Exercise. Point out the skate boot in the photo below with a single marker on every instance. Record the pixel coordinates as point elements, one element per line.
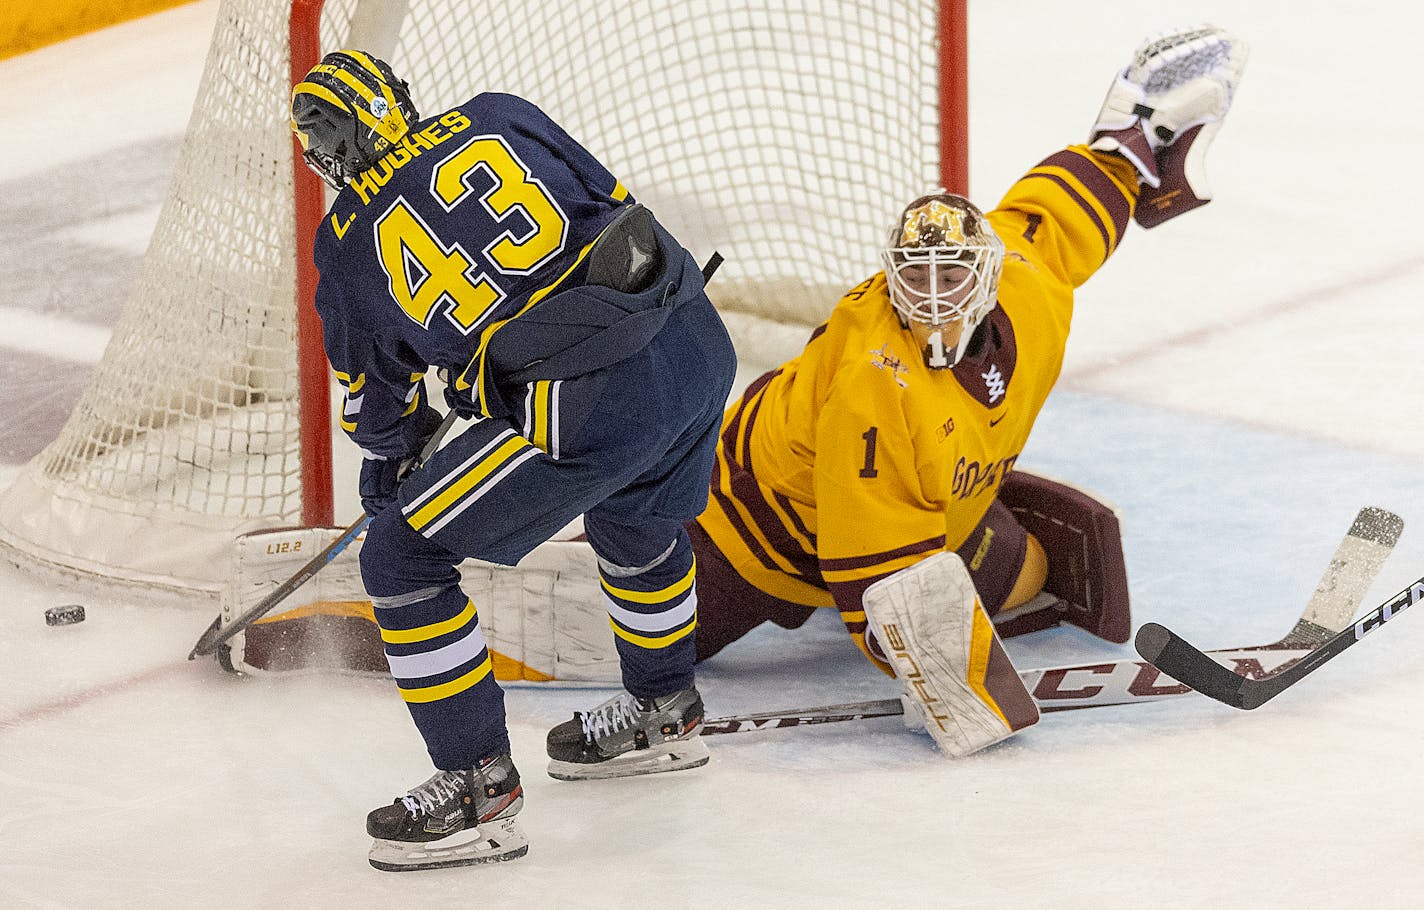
<point>457,818</point>
<point>627,736</point>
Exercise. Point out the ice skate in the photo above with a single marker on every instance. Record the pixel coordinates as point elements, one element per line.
<point>457,818</point>
<point>627,736</point>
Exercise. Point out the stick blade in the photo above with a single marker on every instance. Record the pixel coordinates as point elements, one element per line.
<point>208,641</point>
<point>1377,525</point>
<point>1174,656</point>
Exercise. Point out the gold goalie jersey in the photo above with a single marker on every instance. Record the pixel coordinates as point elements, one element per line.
<point>856,460</point>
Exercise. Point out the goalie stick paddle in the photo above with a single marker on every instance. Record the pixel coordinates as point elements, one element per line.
<point>217,634</point>
<point>1352,569</point>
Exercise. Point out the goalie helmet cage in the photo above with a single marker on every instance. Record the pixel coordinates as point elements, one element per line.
<point>786,134</point>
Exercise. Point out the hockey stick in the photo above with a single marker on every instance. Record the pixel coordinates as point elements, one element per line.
<point>1352,569</point>
<point>830,714</point>
<point>1118,682</point>
<point>217,634</point>
<point>1175,656</point>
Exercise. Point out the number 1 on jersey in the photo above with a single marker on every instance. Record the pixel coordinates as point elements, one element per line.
<point>869,436</point>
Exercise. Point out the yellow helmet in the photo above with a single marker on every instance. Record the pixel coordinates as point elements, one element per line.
<point>348,112</point>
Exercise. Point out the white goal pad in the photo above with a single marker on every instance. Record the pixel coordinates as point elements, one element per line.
<point>544,620</point>
<point>945,652</point>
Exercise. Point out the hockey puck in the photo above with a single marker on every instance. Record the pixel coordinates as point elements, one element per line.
<point>67,615</point>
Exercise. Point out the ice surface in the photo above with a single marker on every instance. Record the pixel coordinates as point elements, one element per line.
<point>1240,381</point>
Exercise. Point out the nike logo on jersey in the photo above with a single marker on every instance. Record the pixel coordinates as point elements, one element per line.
<point>341,228</point>
<point>995,421</point>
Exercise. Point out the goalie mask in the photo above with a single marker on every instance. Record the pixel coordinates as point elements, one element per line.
<point>942,264</point>
<point>348,112</point>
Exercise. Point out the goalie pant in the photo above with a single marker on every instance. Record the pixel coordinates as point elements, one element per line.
<point>634,463</point>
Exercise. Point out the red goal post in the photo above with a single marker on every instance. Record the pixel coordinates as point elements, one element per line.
<point>785,135</point>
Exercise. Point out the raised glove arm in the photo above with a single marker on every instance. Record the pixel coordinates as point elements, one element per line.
<point>1162,112</point>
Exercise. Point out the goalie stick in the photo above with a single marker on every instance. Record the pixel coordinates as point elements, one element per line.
<point>1352,569</point>
<point>217,634</point>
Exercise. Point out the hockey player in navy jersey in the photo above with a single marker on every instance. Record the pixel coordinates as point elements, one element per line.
<point>486,243</point>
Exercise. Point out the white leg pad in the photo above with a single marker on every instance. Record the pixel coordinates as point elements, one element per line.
<point>944,650</point>
<point>545,620</point>
<point>546,614</point>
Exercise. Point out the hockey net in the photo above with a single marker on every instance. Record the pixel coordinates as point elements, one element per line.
<point>785,134</point>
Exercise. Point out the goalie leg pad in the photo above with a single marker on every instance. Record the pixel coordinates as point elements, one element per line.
<point>1083,541</point>
<point>544,620</point>
<point>328,635</point>
<point>947,656</point>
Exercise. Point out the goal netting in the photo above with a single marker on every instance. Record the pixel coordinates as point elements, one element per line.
<point>785,134</point>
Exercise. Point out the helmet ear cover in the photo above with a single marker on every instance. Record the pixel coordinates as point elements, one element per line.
<point>348,112</point>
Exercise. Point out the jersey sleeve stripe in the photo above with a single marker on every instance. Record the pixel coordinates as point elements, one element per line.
<point>1099,185</point>
<point>1083,203</point>
<point>752,516</point>
<point>797,525</point>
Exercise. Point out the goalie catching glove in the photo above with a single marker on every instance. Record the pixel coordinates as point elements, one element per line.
<point>1163,111</point>
<point>945,652</point>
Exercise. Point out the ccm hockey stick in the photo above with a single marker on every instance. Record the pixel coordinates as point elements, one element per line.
<point>1353,568</point>
<point>1171,653</point>
<point>217,634</point>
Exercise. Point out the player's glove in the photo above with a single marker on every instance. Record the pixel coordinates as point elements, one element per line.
<point>379,483</point>
<point>1163,111</point>
<point>381,477</point>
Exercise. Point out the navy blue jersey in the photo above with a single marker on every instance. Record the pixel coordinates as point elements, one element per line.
<point>474,217</point>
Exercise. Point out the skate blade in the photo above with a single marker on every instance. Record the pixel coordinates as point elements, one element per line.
<point>673,756</point>
<point>492,842</point>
